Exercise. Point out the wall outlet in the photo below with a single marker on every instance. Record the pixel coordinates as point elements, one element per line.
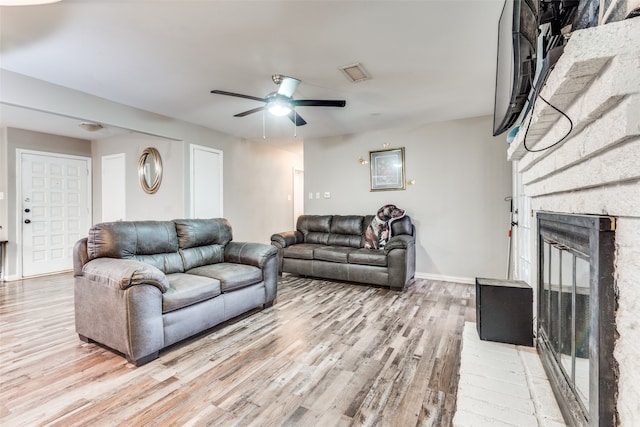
<point>310,196</point>
<point>327,195</point>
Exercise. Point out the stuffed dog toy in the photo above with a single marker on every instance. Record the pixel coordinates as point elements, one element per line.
<point>379,230</point>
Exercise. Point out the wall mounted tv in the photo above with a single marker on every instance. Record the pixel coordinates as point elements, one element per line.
<point>516,66</point>
<point>531,38</point>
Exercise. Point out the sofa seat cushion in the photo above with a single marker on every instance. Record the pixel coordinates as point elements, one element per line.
<point>301,250</point>
<point>333,254</point>
<point>363,256</point>
<point>187,289</point>
<point>231,276</point>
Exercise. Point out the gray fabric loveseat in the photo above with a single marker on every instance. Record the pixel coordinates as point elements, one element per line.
<point>141,286</point>
<point>333,247</point>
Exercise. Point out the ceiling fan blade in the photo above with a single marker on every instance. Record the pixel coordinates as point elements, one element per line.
<point>318,103</point>
<point>288,85</point>
<point>238,95</point>
<point>295,118</point>
<point>246,113</point>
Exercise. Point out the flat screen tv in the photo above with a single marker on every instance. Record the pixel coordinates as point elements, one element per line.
<point>516,66</point>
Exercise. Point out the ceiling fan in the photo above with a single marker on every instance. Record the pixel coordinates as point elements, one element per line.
<point>281,102</point>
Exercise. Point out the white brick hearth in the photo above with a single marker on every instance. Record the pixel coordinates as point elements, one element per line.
<point>502,385</point>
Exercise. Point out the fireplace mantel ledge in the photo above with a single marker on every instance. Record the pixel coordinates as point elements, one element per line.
<point>586,55</point>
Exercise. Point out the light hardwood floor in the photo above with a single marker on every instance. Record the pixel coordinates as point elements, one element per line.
<point>325,354</point>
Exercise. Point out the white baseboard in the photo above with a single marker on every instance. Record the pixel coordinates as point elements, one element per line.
<point>11,278</point>
<point>443,278</point>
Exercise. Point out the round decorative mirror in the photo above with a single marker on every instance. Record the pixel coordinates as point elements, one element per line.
<point>150,170</point>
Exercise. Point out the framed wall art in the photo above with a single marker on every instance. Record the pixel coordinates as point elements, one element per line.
<point>387,169</point>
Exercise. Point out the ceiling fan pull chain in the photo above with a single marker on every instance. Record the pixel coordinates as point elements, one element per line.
<point>295,123</point>
<point>264,133</point>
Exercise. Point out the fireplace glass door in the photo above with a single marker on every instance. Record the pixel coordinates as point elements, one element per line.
<point>564,318</point>
<point>576,314</point>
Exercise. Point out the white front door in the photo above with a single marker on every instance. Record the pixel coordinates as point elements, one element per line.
<point>55,202</point>
<point>206,182</point>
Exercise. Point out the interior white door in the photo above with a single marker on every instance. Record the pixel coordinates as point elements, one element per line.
<point>206,182</point>
<point>298,195</point>
<point>55,210</point>
<point>114,188</point>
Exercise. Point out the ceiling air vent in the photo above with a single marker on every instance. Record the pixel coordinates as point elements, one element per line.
<point>355,72</point>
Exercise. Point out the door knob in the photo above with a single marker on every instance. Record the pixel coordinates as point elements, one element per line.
<point>27,221</point>
<point>27,210</point>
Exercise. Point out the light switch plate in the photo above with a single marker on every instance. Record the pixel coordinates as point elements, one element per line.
<point>327,195</point>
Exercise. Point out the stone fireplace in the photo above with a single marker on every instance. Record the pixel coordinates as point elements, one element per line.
<point>591,178</point>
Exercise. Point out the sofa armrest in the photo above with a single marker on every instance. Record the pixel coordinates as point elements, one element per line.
<point>124,273</point>
<point>286,238</point>
<point>80,256</point>
<point>401,260</point>
<point>259,255</point>
<point>256,254</point>
<point>403,241</point>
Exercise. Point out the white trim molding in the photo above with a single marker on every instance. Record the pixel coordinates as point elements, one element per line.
<point>444,278</point>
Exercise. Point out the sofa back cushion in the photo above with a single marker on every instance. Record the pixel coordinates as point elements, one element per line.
<point>203,232</point>
<point>202,241</point>
<point>348,224</point>
<point>344,230</point>
<point>152,242</point>
<point>315,228</point>
<point>347,231</point>
<point>334,230</point>
<point>201,255</point>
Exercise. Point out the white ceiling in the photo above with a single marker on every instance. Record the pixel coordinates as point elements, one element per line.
<point>429,60</point>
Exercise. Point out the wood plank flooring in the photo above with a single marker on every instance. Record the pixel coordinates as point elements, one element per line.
<point>326,354</point>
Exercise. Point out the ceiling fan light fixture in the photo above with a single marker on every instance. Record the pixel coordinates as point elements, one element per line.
<point>279,107</point>
<point>355,72</point>
<point>281,102</point>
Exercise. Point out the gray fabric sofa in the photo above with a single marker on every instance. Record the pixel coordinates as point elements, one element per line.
<point>332,247</point>
<point>141,286</point>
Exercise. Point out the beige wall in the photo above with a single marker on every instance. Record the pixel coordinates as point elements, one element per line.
<point>257,177</point>
<point>258,181</point>
<point>258,194</point>
<point>168,202</point>
<point>457,202</point>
